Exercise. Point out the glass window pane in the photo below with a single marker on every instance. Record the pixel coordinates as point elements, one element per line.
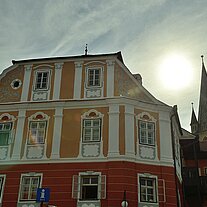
<point>94,180</point>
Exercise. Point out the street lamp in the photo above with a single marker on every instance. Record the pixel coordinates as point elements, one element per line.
<point>124,203</point>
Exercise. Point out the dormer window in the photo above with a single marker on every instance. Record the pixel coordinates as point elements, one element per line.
<point>42,80</point>
<point>94,77</point>
<point>41,83</point>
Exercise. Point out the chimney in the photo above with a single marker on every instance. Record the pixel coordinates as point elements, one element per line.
<point>138,77</point>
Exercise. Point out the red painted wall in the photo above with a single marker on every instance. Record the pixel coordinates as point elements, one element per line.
<point>120,176</point>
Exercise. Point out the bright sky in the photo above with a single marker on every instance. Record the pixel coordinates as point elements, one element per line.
<point>151,34</point>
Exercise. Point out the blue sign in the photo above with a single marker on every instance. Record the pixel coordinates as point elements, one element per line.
<point>43,195</point>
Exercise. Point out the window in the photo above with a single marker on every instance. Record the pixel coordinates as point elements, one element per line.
<point>91,130</point>
<point>5,133</point>
<point>89,186</point>
<point>148,192</point>
<point>205,171</point>
<point>37,131</point>
<point>28,187</point>
<point>2,181</point>
<point>94,77</point>
<point>146,133</point>
<point>42,80</point>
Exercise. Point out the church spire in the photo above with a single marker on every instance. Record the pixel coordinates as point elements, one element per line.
<point>194,121</point>
<point>202,115</point>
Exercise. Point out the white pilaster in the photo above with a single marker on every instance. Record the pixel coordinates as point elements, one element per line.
<point>57,133</point>
<point>57,81</point>
<point>110,78</point>
<point>129,131</point>
<point>78,79</point>
<point>26,82</point>
<point>19,135</point>
<point>113,149</point>
<point>165,138</point>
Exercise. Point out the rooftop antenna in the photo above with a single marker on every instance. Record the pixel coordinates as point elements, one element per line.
<point>86,49</point>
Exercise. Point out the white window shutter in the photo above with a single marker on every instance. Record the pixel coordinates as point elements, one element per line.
<point>161,191</point>
<point>76,187</point>
<point>102,187</point>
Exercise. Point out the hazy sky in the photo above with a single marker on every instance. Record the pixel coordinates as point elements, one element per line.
<point>145,31</point>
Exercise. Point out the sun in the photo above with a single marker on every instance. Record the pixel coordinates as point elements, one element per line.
<point>175,72</point>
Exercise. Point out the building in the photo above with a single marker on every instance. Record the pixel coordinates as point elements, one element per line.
<point>194,148</point>
<point>86,128</point>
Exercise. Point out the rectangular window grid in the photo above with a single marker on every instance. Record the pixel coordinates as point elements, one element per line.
<point>147,190</point>
<point>89,187</point>
<point>94,77</point>
<point>5,133</point>
<point>37,131</point>
<point>91,130</point>
<point>42,79</point>
<point>146,133</point>
<point>28,189</point>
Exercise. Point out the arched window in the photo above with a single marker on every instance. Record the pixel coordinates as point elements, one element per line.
<point>6,129</point>
<point>91,126</point>
<point>37,128</point>
<point>146,129</point>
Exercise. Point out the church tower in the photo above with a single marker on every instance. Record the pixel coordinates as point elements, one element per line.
<point>194,122</point>
<point>202,114</point>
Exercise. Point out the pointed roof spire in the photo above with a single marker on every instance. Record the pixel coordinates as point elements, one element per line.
<point>202,115</point>
<point>193,117</point>
<point>86,49</point>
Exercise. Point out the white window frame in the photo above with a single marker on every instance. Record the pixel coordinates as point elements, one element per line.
<point>147,131</point>
<point>29,175</point>
<point>92,130</point>
<point>155,187</point>
<point>87,116</point>
<point>37,139</point>
<point>145,117</point>
<point>94,85</point>
<point>2,184</point>
<point>35,88</point>
<point>4,130</point>
<point>77,186</point>
<point>11,119</point>
<point>33,119</point>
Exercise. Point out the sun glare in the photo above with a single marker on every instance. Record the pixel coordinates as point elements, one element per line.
<point>175,72</point>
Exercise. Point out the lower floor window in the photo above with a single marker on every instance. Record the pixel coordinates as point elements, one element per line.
<point>89,187</point>
<point>148,189</point>
<point>2,180</point>
<point>28,187</point>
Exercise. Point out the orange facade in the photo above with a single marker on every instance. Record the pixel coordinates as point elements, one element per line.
<point>86,128</point>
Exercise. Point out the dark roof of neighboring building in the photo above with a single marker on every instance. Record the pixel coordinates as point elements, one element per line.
<point>118,54</point>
